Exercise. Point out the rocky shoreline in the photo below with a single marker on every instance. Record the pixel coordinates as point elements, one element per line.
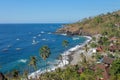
<point>73,31</point>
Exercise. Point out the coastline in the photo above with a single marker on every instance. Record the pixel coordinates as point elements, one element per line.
<point>75,56</point>
<point>71,56</point>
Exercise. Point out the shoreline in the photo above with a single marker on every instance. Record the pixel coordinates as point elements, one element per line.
<point>68,57</point>
<point>75,56</point>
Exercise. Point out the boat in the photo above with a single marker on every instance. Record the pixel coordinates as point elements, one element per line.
<point>34,42</point>
<point>18,48</point>
<point>39,35</point>
<point>34,37</point>
<point>17,39</point>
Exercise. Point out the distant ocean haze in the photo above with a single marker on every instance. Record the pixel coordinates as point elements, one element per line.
<point>20,41</point>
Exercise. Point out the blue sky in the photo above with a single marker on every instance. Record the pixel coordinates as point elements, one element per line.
<point>53,11</point>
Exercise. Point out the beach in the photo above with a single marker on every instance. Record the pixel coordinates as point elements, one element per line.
<point>75,56</point>
<point>71,56</point>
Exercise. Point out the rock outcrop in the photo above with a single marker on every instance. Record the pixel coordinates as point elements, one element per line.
<point>71,30</point>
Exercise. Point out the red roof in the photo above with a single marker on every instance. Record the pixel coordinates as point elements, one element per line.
<point>107,60</point>
<point>80,70</point>
<point>99,49</point>
<point>113,48</point>
<point>105,70</point>
<point>113,39</point>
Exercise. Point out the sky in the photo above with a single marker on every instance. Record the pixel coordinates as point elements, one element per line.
<point>53,11</point>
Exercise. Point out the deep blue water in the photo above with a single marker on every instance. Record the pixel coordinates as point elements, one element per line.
<point>16,44</point>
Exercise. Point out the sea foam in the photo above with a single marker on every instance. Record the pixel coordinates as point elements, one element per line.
<point>22,60</point>
<point>76,38</point>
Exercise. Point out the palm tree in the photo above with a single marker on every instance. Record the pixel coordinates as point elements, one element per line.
<point>60,58</point>
<point>25,74</point>
<point>86,48</point>
<point>98,73</point>
<point>33,62</point>
<point>84,62</point>
<point>15,74</point>
<point>65,44</point>
<point>45,53</point>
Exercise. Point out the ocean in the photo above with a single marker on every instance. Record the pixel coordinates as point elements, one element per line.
<point>20,41</point>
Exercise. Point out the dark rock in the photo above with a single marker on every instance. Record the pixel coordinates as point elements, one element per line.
<point>71,32</point>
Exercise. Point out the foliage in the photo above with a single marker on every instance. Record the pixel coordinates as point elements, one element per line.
<point>69,73</point>
<point>65,43</point>
<point>33,62</point>
<point>45,52</point>
<point>87,75</point>
<point>108,23</point>
<point>115,68</point>
<point>98,56</point>
<point>93,45</point>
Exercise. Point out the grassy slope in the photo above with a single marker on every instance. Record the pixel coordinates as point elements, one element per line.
<point>105,22</point>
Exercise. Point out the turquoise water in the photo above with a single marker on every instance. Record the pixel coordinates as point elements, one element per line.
<point>20,41</point>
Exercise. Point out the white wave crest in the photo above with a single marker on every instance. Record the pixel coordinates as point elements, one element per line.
<point>35,42</point>
<point>39,35</point>
<point>34,37</point>
<point>18,48</point>
<point>17,39</point>
<point>42,32</point>
<point>23,60</point>
<point>64,34</point>
<point>44,39</point>
<point>49,33</point>
<point>76,38</point>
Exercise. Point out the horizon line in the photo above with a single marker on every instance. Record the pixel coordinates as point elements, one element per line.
<point>40,23</point>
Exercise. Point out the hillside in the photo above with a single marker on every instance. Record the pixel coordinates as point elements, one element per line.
<point>104,23</point>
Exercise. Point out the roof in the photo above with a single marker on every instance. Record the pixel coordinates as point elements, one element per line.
<point>100,49</point>
<point>107,60</point>
<point>113,47</point>
<point>113,39</point>
<point>81,70</point>
<point>104,69</point>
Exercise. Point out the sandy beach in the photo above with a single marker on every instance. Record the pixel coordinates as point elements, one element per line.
<point>75,56</point>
